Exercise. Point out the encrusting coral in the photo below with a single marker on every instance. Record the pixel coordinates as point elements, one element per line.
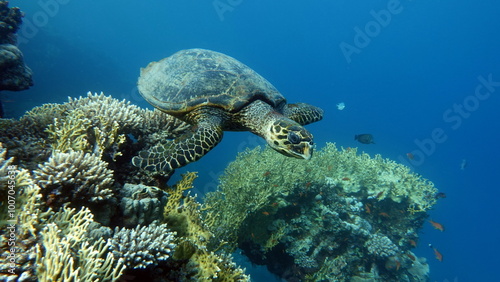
<point>381,246</point>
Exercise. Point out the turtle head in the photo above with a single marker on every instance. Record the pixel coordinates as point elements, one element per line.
<point>290,139</point>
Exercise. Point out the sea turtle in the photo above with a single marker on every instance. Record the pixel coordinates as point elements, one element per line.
<point>214,93</point>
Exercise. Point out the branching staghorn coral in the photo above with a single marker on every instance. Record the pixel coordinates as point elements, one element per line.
<point>143,245</point>
<point>74,177</point>
<point>65,254</point>
<point>17,186</point>
<point>40,117</point>
<point>21,209</point>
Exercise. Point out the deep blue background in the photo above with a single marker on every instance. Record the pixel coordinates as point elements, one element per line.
<point>398,86</point>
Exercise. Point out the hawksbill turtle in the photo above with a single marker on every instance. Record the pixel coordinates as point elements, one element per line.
<point>214,93</point>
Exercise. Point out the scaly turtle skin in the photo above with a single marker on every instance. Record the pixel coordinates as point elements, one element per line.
<point>217,93</point>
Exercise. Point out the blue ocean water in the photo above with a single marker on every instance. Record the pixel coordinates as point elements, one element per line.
<point>422,76</point>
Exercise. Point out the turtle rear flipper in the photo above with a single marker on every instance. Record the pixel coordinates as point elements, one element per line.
<point>185,149</point>
<point>303,113</point>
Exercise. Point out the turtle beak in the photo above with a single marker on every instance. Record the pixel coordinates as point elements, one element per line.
<point>303,150</point>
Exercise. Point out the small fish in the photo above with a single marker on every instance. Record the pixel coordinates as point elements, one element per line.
<point>340,106</point>
<point>439,256</point>
<point>437,225</point>
<point>364,138</point>
<point>463,165</point>
<point>412,257</point>
<point>346,179</point>
<point>265,213</point>
<point>410,156</point>
<point>412,243</point>
<point>367,208</point>
<point>378,196</point>
<point>440,195</point>
<point>384,214</point>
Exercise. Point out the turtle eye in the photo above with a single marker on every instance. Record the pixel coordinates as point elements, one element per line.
<point>293,137</point>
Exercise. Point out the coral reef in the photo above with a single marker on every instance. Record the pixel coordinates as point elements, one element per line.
<point>338,217</point>
<point>342,216</point>
<point>14,74</point>
<point>143,245</point>
<point>96,124</point>
<point>80,160</point>
<point>61,234</point>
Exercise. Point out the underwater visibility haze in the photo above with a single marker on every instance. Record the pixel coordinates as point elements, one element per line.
<point>402,184</point>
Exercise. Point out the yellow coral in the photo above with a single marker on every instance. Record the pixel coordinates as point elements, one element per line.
<point>182,212</point>
<point>70,132</point>
<point>183,215</point>
<point>72,257</point>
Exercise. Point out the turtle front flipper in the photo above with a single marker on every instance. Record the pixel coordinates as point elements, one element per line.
<point>303,113</point>
<point>185,149</point>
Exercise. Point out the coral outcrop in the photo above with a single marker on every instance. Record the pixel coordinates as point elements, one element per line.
<point>339,216</point>
<point>14,74</point>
